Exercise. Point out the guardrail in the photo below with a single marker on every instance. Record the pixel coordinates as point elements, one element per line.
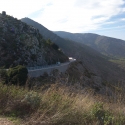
<point>48,66</point>
<point>41,67</point>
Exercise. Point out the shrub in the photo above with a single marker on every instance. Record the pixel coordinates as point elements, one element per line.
<point>104,117</point>
<point>49,42</point>
<point>33,99</point>
<point>45,75</point>
<point>56,47</point>
<point>33,57</point>
<point>3,76</point>
<point>17,75</point>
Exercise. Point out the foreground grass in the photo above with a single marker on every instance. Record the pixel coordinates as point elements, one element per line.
<point>60,105</point>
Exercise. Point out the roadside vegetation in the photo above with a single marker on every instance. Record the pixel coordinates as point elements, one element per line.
<point>46,101</point>
<point>57,104</point>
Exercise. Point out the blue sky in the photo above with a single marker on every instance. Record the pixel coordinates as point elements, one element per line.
<point>104,17</point>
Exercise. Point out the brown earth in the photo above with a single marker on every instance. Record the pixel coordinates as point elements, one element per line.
<point>5,121</point>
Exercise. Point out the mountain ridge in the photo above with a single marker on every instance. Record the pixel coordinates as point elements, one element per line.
<point>94,61</point>
<point>108,46</point>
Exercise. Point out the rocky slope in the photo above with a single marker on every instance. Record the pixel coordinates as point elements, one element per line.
<point>106,45</point>
<point>23,44</point>
<point>92,60</point>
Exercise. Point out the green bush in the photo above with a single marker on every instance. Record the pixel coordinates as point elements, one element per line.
<point>103,116</point>
<point>17,75</point>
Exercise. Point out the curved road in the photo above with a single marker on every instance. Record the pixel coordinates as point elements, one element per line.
<point>51,66</point>
<point>36,72</point>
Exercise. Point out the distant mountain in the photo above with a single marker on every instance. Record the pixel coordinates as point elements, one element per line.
<point>92,60</point>
<point>106,45</point>
<point>23,44</point>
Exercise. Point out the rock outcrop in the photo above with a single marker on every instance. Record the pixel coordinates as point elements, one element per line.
<point>23,44</point>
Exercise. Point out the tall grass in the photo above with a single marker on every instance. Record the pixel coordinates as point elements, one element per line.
<point>61,105</point>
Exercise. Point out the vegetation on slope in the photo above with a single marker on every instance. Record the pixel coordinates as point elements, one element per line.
<point>119,62</point>
<point>16,75</point>
<point>60,105</point>
<point>23,44</point>
<point>108,46</point>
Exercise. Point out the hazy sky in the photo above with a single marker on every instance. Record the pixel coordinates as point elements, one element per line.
<point>105,17</point>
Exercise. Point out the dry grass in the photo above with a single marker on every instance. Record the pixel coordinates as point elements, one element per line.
<point>60,105</point>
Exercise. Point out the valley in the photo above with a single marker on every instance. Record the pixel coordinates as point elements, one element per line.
<point>43,86</point>
<point>108,46</point>
<point>93,60</point>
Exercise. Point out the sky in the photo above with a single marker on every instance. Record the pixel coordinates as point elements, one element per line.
<point>104,17</point>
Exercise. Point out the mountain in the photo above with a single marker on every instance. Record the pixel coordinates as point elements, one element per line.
<point>92,60</point>
<point>111,47</point>
<point>23,44</point>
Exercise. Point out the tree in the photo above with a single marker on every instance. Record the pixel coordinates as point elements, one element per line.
<point>17,75</point>
<point>56,47</point>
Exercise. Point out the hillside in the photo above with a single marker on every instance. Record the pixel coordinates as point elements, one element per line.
<point>23,44</point>
<point>60,105</point>
<point>92,60</point>
<point>111,47</point>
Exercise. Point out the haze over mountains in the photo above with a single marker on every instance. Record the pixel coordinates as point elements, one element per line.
<point>106,45</point>
<point>94,61</point>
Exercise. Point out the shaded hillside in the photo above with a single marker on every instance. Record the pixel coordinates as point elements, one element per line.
<point>47,34</point>
<point>91,59</point>
<point>23,44</point>
<point>105,45</point>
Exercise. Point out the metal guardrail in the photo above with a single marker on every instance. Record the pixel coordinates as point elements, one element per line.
<point>42,67</point>
<point>48,66</point>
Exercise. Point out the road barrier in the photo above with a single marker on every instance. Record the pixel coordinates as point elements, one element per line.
<point>40,70</point>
